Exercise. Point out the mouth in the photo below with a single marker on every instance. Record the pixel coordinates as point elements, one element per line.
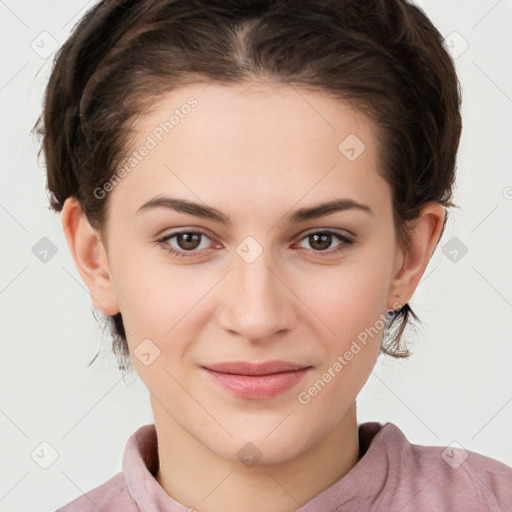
<point>256,380</point>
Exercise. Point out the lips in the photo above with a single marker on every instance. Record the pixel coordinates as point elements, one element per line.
<point>256,380</point>
<point>247,368</point>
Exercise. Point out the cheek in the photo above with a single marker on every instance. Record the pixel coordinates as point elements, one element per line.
<point>158,300</point>
<point>350,298</point>
<point>352,305</point>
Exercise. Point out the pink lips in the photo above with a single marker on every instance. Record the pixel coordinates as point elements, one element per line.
<point>257,380</point>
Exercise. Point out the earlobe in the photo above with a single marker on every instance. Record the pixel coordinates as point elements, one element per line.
<point>425,234</point>
<point>90,257</point>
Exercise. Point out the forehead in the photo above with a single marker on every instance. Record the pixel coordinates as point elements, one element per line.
<point>258,111</point>
<point>251,143</point>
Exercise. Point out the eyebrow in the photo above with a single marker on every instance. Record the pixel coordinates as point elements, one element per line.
<point>296,216</point>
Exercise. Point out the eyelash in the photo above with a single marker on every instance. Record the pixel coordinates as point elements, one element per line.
<point>162,242</point>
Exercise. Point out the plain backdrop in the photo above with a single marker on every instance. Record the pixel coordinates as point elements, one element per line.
<point>456,388</point>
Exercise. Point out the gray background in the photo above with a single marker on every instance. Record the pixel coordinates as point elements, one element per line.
<point>455,389</point>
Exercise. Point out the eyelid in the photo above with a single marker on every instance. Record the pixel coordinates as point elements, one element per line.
<point>340,232</point>
<point>166,233</point>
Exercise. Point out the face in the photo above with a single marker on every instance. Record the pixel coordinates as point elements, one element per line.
<point>260,276</point>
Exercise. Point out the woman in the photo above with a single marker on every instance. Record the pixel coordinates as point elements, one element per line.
<point>251,192</point>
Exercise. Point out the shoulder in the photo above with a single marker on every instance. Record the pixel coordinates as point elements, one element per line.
<point>450,477</point>
<point>112,496</point>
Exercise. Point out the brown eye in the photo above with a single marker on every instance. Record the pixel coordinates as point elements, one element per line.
<point>184,243</point>
<point>188,241</point>
<point>321,241</point>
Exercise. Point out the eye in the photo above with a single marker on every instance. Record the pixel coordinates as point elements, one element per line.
<point>187,242</point>
<point>321,241</point>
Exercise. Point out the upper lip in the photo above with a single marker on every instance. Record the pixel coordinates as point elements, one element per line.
<point>248,368</point>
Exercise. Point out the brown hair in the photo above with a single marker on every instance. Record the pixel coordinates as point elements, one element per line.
<point>383,56</point>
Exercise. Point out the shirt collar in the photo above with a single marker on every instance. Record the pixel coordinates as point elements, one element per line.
<point>140,466</point>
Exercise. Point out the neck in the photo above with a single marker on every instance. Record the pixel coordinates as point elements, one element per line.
<point>199,478</point>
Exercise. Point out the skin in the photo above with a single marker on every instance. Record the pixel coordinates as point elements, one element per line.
<point>255,153</point>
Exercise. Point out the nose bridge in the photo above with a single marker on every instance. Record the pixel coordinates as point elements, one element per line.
<point>258,303</point>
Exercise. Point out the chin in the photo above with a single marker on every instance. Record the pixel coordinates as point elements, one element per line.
<point>259,445</point>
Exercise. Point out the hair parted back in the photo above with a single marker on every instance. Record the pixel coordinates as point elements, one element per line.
<point>383,56</point>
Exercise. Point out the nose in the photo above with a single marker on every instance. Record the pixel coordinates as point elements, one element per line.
<point>257,301</point>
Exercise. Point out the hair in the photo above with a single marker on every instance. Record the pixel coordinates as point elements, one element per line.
<point>384,57</point>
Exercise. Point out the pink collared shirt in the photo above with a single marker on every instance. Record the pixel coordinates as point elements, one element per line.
<point>392,475</point>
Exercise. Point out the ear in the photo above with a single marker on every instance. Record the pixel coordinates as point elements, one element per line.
<point>410,264</point>
<point>90,257</point>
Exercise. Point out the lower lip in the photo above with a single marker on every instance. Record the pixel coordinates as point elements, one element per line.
<point>258,386</point>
